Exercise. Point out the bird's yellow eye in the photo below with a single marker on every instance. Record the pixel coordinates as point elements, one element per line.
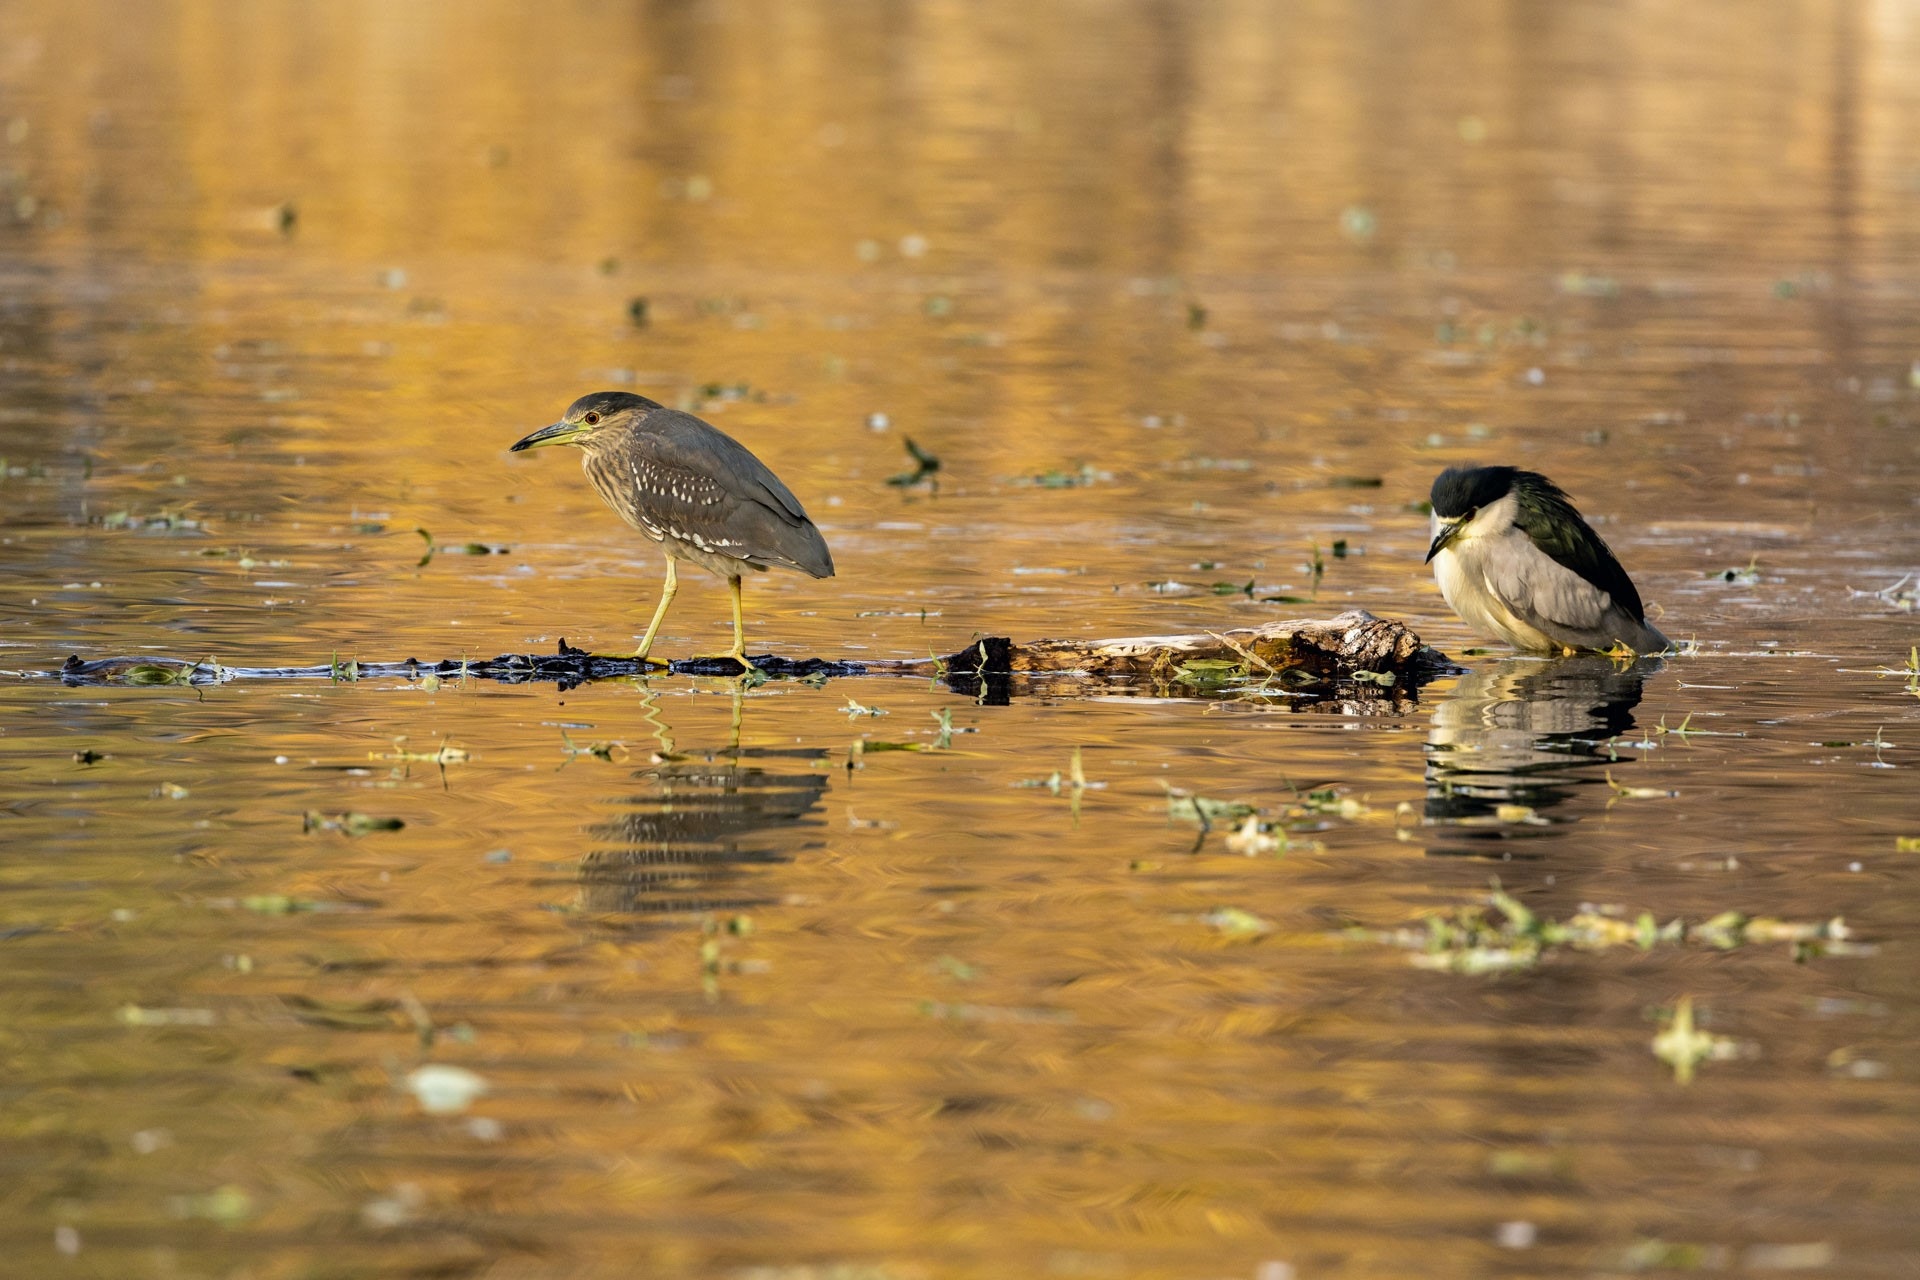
<point>592,419</point>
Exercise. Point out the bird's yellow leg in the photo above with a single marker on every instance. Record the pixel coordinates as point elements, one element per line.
<point>739,653</point>
<point>667,589</point>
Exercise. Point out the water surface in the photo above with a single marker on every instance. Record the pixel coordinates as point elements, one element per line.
<point>1181,296</point>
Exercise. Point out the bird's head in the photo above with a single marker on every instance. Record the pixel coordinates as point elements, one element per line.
<point>1461,493</point>
<point>604,415</point>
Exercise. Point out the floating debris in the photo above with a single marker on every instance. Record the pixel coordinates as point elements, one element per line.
<point>1251,841</point>
<point>925,465</point>
<point>1504,934</point>
<point>1638,793</point>
<point>404,760</point>
<point>1237,925</point>
<point>135,1016</point>
<point>229,1205</point>
<point>1054,478</point>
<point>1581,284</point>
<point>1903,595</point>
<point>1185,806</point>
<point>351,824</point>
<point>279,904</point>
<point>603,750</point>
<point>163,520</point>
<point>444,1090</point>
<point>1745,577</point>
<point>1683,1047</point>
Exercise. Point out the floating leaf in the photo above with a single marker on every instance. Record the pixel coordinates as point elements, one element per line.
<point>228,1205</point>
<point>135,1016</point>
<point>1683,1047</point>
<point>1237,924</point>
<point>352,824</point>
<point>278,904</point>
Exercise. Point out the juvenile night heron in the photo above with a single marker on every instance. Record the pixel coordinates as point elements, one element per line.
<point>1517,563</point>
<point>691,488</point>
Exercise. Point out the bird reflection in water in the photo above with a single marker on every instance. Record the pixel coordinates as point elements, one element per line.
<point>1525,732</point>
<point>683,842</point>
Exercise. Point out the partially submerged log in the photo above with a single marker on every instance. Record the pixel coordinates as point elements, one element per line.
<point>1353,641</point>
<point>1354,653</point>
<point>568,667</point>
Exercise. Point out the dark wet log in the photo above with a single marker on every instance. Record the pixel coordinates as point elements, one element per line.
<point>568,667</point>
<point>1352,654</point>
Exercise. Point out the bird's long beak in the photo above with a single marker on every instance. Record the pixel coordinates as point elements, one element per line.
<point>558,433</point>
<point>1448,532</point>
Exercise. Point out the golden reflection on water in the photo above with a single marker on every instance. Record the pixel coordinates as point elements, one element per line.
<point>1187,299</point>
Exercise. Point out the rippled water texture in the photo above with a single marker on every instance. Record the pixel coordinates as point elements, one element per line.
<point>666,979</point>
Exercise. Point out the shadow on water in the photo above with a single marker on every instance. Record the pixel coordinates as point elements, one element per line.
<point>1525,732</point>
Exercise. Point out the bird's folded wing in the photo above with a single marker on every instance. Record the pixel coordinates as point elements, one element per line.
<point>1560,532</point>
<point>700,487</point>
<point>1543,591</point>
<point>684,443</point>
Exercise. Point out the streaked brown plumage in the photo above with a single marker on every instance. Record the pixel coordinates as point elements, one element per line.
<point>691,488</point>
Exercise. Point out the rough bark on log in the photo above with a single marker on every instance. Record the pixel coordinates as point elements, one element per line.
<point>1355,641</point>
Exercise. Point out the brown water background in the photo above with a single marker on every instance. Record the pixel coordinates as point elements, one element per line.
<point>1180,294</point>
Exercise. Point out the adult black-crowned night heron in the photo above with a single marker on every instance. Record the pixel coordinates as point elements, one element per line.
<point>691,488</point>
<point>1518,564</point>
